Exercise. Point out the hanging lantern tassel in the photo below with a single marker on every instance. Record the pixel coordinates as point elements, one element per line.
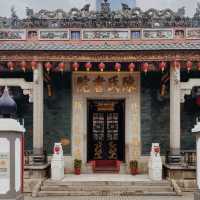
<point>88,66</point>
<point>48,67</point>
<point>131,67</point>
<point>49,90</point>
<point>34,65</point>
<point>61,67</point>
<point>145,67</point>
<point>75,66</point>
<point>118,67</point>
<point>177,65</point>
<point>23,66</point>
<point>11,66</point>
<point>162,66</point>
<point>102,67</point>
<point>189,66</point>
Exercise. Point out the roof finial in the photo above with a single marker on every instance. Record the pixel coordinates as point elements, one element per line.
<point>8,107</point>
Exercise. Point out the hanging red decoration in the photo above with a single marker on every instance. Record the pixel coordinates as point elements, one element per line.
<point>198,66</point>
<point>118,67</point>
<point>189,66</point>
<point>23,65</point>
<point>162,66</point>
<point>131,67</point>
<point>61,66</point>
<point>75,66</point>
<point>34,65</point>
<point>48,66</point>
<point>145,67</point>
<point>11,65</point>
<point>102,66</point>
<point>88,66</point>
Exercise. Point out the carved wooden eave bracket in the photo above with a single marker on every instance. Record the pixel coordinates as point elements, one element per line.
<point>103,56</point>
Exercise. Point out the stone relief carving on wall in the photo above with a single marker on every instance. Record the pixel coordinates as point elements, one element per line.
<point>193,34</point>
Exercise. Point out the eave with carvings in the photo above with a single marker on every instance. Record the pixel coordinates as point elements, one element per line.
<point>103,56</point>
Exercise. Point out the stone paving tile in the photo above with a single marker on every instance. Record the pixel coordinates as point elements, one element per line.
<point>187,196</point>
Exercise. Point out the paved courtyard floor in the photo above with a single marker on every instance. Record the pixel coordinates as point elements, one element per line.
<point>186,196</point>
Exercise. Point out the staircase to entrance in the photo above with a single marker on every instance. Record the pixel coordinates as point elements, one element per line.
<point>106,185</point>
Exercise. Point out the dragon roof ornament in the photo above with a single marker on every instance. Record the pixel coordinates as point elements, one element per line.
<point>126,17</point>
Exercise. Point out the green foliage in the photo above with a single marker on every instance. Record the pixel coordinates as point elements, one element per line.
<point>77,163</point>
<point>133,164</point>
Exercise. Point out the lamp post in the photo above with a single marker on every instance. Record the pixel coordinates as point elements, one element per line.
<point>11,151</point>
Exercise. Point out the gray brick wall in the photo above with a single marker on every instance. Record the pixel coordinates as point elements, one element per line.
<point>154,114</point>
<point>57,113</point>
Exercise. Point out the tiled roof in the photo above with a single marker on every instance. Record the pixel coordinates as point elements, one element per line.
<point>100,46</point>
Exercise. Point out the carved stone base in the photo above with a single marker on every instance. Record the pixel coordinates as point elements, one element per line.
<point>37,171</point>
<point>197,195</point>
<point>179,172</point>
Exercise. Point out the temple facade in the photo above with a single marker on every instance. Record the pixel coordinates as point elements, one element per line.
<point>104,84</point>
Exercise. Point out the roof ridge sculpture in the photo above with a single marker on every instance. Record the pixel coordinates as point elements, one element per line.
<point>126,17</point>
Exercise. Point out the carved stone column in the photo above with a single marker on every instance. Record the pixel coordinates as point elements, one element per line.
<point>175,95</point>
<point>196,131</point>
<point>38,110</point>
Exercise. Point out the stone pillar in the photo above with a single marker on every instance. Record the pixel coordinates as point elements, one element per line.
<point>197,193</point>
<point>196,131</point>
<point>38,110</point>
<point>175,95</point>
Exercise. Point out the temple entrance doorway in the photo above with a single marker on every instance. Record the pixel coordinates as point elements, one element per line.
<point>106,130</point>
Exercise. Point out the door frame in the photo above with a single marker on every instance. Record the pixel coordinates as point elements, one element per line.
<point>123,102</point>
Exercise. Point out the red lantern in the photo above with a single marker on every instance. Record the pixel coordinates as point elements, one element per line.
<point>75,66</point>
<point>88,66</point>
<point>189,66</point>
<point>145,67</point>
<point>162,66</point>
<point>102,66</point>
<point>33,65</point>
<point>131,67</point>
<point>11,66</point>
<point>23,65</point>
<point>48,66</point>
<point>118,67</point>
<point>198,66</point>
<point>61,66</point>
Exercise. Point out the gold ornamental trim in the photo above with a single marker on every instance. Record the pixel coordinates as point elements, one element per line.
<point>138,56</point>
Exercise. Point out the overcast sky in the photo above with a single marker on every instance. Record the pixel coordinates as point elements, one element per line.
<point>20,5</point>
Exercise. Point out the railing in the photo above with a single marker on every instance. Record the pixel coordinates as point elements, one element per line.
<point>189,157</point>
<point>186,159</point>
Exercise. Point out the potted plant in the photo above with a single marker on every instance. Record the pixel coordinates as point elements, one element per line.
<point>77,166</point>
<point>134,167</point>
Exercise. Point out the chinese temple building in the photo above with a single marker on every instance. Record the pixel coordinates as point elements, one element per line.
<point>106,84</point>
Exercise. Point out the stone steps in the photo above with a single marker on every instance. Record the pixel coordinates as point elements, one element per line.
<point>109,183</point>
<point>104,193</point>
<point>112,188</point>
<point>106,188</point>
